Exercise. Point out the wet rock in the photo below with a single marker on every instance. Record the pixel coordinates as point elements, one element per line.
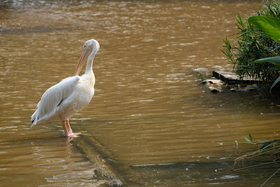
<point>245,88</point>
<point>227,82</point>
<point>216,86</point>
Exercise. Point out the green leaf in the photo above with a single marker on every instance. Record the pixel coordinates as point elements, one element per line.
<point>264,144</point>
<point>270,26</point>
<point>274,60</point>
<point>275,82</point>
<point>250,139</point>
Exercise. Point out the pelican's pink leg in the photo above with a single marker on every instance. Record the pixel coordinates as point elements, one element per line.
<point>67,129</point>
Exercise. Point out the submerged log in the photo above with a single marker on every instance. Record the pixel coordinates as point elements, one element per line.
<point>106,165</point>
<point>233,78</point>
<point>223,81</point>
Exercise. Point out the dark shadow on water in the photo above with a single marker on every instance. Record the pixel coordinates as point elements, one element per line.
<point>195,174</point>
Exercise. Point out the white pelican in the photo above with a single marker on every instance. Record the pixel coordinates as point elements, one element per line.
<point>61,101</point>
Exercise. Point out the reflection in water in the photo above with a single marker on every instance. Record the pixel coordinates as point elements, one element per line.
<point>36,160</point>
<point>149,108</point>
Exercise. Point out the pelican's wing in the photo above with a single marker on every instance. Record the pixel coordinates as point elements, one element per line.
<point>53,97</point>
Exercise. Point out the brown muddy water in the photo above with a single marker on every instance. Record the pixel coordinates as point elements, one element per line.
<point>150,120</point>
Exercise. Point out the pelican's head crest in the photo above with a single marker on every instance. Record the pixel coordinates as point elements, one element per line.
<point>93,45</point>
<point>90,49</point>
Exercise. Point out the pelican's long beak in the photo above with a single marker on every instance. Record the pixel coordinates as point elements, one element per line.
<point>81,62</point>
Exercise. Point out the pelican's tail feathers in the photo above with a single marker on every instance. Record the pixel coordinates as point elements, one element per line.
<point>34,118</point>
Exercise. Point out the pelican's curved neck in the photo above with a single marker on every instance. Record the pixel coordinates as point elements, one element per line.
<point>89,64</point>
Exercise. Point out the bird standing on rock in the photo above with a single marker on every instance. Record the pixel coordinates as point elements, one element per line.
<point>63,100</point>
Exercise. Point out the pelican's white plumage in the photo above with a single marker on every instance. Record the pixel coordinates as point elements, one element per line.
<point>63,100</point>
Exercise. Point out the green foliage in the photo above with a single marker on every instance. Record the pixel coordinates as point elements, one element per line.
<point>270,147</point>
<point>270,26</point>
<point>274,60</point>
<point>275,83</point>
<point>250,139</point>
<point>251,44</point>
